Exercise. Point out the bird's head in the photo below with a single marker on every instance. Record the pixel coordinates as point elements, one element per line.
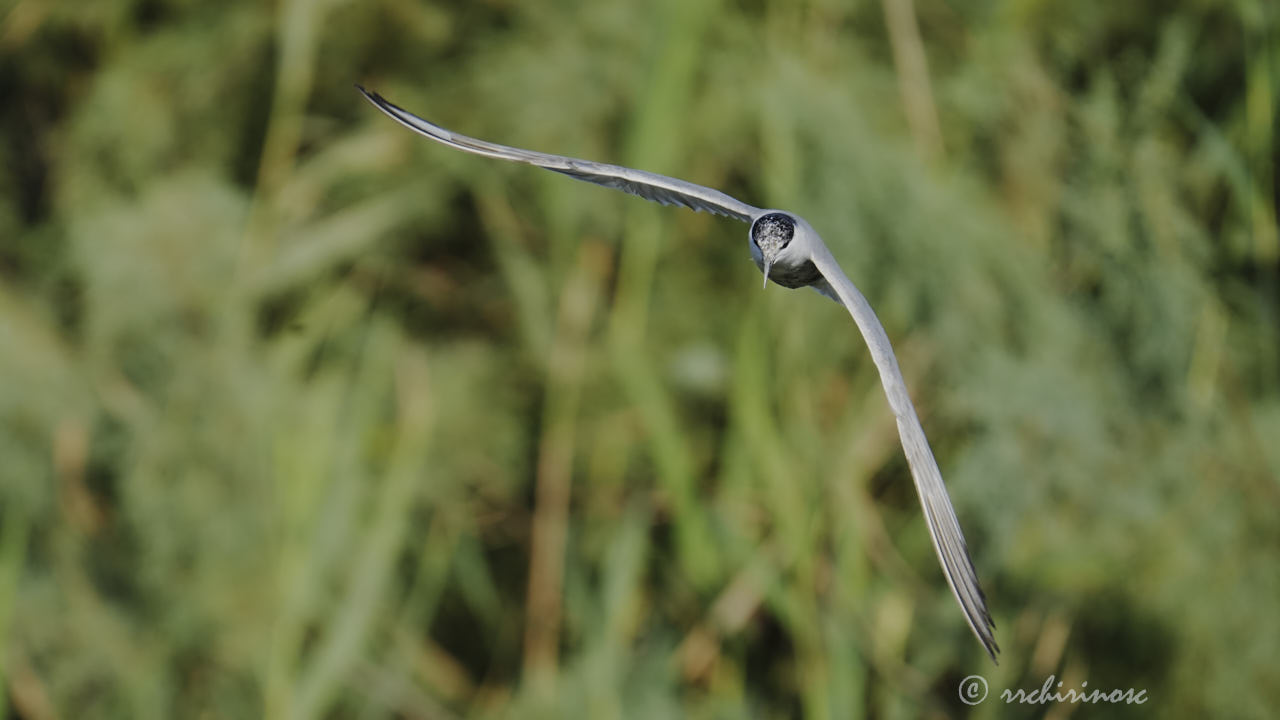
<point>771,233</point>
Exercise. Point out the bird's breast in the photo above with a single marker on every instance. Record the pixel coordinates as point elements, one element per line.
<point>799,275</point>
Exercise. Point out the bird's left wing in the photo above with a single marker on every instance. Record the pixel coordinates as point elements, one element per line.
<point>944,528</point>
<point>650,186</point>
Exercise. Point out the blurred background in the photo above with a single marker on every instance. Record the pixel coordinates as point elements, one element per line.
<point>307,417</point>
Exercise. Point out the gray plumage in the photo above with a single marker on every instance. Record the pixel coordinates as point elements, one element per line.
<point>788,251</point>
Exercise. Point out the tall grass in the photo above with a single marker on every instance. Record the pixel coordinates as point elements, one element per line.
<point>304,416</point>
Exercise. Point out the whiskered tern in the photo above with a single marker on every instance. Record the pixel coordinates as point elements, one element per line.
<point>789,252</point>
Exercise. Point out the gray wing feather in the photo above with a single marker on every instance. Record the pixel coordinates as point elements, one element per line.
<point>944,528</point>
<point>650,186</point>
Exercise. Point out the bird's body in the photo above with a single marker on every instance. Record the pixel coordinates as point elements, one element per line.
<point>789,252</point>
<point>791,265</point>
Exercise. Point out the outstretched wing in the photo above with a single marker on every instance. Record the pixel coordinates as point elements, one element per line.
<point>650,186</point>
<point>944,528</point>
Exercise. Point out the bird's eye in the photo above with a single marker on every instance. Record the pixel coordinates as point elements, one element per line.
<point>775,227</point>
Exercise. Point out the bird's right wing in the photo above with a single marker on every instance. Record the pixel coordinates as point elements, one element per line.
<point>650,186</point>
<point>944,528</point>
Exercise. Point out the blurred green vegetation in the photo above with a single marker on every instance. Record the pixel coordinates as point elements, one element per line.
<point>305,416</point>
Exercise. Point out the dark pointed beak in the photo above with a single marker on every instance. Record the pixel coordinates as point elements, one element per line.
<point>769,257</point>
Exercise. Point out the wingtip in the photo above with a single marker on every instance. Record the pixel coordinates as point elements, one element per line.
<point>990,645</point>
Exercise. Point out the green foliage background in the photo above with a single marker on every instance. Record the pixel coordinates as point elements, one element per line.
<point>293,400</point>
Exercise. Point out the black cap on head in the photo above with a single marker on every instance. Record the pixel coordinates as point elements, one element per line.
<point>776,227</point>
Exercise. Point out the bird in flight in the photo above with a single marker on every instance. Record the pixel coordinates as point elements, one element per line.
<point>789,252</point>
